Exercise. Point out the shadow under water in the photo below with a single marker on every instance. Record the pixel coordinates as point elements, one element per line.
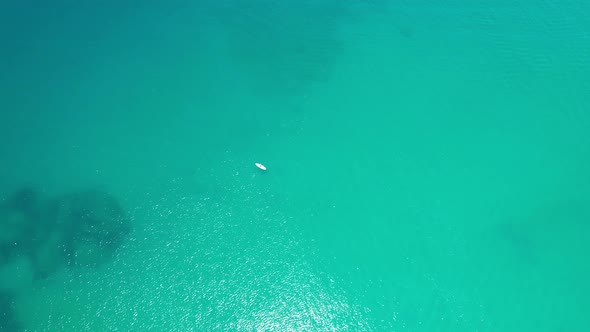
<point>39,236</point>
<point>8,322</point>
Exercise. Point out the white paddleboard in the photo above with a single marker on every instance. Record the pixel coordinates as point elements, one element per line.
<point>262,167</point>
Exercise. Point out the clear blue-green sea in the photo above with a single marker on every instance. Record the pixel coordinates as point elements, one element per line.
<point>428,165</point>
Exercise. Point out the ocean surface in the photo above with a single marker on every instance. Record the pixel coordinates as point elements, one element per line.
<point>428,165</point>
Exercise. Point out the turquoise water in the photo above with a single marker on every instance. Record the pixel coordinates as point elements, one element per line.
<point>428,164</point>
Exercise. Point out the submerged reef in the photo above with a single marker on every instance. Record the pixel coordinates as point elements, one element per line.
<point>39,236</point>
<point>19,214</point>
<point>92,225</point>
<point>7,320</point>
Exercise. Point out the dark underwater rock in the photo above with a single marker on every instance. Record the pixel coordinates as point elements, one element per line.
<point>16,274</point>
<point>13,226</point>
<point>25,200</point>
<point>48,255</point>
<point>19,214</point>
<point>93,225</point>
<point>38,237</point>
<point>26,231</point>
<point>8,321</point>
